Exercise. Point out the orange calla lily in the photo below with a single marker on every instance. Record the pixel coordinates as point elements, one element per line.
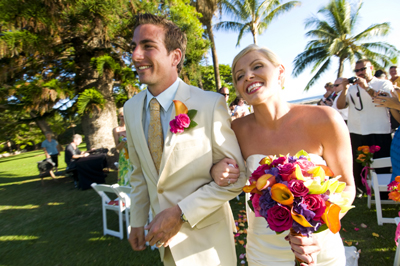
<point>267,160</point>
<point>265,181</point>
<point>251,188</point>
<point>300,219</point>
<point>397,178</point>
<point>281,194</point>
<point>331,217</point>
<point>327,170</point>
<point>180,107</point>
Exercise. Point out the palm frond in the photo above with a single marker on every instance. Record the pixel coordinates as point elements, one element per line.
<point>317,75</point>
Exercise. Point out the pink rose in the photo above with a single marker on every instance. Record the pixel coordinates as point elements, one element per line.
<point>175,128</point>
<point>298,188</point>
<point>374,148</point>
<point>305,165</point>
<point>316,204</point>
<point>182,120</point>
<point>279,218</point>
<point>280,160</point>
<point>255,200</point>
<point>286,170</point>
<point>259,172</point>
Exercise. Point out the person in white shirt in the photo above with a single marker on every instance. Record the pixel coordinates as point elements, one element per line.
<point>338,87</point>
<point>241,109</point>
<point>368,125</point>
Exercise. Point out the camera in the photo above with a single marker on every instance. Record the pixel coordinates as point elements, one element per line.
<point>352,80</point>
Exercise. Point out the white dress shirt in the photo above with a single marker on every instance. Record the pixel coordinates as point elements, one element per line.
<point>165,99</point>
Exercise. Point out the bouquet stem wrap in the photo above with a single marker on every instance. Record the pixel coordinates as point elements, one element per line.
<point>364,173</point>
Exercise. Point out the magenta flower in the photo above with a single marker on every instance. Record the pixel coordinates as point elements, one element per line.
<point>279,218</point>
<point>179,124</point>
<point>286,170</point>
<point>316,204</point>
<point>298,188</point>
<point>374,148</point>
<point>259,172</point>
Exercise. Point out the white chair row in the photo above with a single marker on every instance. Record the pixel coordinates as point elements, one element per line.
<point>379,183</point>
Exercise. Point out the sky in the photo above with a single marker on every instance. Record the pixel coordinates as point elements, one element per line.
<point>286,37</point>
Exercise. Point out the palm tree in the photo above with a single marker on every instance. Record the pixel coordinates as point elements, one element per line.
<point>208,8</point>
<point>334,37</point>
<point>253,16</point>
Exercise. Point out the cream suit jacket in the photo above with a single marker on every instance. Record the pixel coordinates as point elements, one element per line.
<point>185,178</point>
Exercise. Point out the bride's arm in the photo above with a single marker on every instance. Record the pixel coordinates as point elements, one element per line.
<point>225,172</point>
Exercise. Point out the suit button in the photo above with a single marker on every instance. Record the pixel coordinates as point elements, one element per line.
<point>160,191</point>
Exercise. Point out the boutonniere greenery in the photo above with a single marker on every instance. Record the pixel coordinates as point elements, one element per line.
<point>183,119</point>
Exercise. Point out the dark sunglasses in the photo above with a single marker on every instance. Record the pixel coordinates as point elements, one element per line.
<point>225,94</point>
<point>336,85</point>
<point>360,69</point>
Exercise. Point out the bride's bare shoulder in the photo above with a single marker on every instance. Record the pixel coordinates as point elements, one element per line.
<point>243,123</point>
<point>316,115</point>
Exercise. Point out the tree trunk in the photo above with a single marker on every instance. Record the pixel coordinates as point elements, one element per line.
<point>255,38</point>
<point>41,123</point>
<point>97,126</point>
<point>214,57</point>
<point>341,66</point>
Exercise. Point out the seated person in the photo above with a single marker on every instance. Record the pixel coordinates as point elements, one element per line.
<point>72,154</point>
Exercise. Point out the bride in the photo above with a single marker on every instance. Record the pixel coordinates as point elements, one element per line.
<point>277,127</point>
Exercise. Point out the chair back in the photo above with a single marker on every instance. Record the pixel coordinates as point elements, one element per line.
<point>381,162</point>
<point>123,193</point>
<point>101,189</point>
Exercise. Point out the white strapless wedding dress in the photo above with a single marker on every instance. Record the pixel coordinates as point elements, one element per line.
<point>266,248</point>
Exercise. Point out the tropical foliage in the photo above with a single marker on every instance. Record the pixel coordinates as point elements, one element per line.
<point>334,37</point>
<point>253,16</point>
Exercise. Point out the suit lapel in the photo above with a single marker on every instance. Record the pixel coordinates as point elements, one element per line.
<point>182,94</point>
<point>142,143</point>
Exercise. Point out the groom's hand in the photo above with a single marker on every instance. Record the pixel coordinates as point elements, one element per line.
<point>136,238</point>
<point>164,226</point>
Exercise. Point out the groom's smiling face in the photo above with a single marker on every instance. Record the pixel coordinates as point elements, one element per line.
<point>154,65</point>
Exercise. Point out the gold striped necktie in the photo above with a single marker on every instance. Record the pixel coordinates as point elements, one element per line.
<point>155,136</point>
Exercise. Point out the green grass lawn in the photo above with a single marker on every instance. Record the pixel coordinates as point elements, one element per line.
<point>56,224</point>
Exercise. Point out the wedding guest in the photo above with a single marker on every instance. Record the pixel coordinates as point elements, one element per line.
<point>51,149</point>
<point>394,77</point>
<point>225,92</point>
<point>72,154</point>
<point>380,74</point>
<point>327,97</point>
<point>392,102</point>
<point>338,87</point>
<point>124,165</point>
<point>241,109</point>
<point>368,125</point>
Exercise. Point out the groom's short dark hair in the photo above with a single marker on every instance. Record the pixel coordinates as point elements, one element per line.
<point>174,38</point>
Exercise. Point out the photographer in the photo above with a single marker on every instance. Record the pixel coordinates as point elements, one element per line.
<point>368,124</point>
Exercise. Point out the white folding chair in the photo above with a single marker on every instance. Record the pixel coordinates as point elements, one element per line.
<point>123,193</point>
<point>106,204</point>
<point>379,183</point>
<point>397,255</point>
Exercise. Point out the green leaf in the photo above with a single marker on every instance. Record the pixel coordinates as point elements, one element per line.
<point>192,113</point>
<point>321,228</point>
<point>250,205</point>
<point>192,124</point>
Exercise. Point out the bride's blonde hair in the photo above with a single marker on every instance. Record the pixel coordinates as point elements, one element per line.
<point>269,55</point>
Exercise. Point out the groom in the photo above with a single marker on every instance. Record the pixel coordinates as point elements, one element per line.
<point>193,222</point>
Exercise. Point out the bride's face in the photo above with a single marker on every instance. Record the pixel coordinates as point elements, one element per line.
<point>256,77</point>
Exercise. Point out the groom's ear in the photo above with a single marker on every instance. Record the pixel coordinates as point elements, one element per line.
<point>176,56</point>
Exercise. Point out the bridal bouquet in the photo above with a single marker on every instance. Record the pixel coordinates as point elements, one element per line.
<point>292,193</point>
<point>365,158</point>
